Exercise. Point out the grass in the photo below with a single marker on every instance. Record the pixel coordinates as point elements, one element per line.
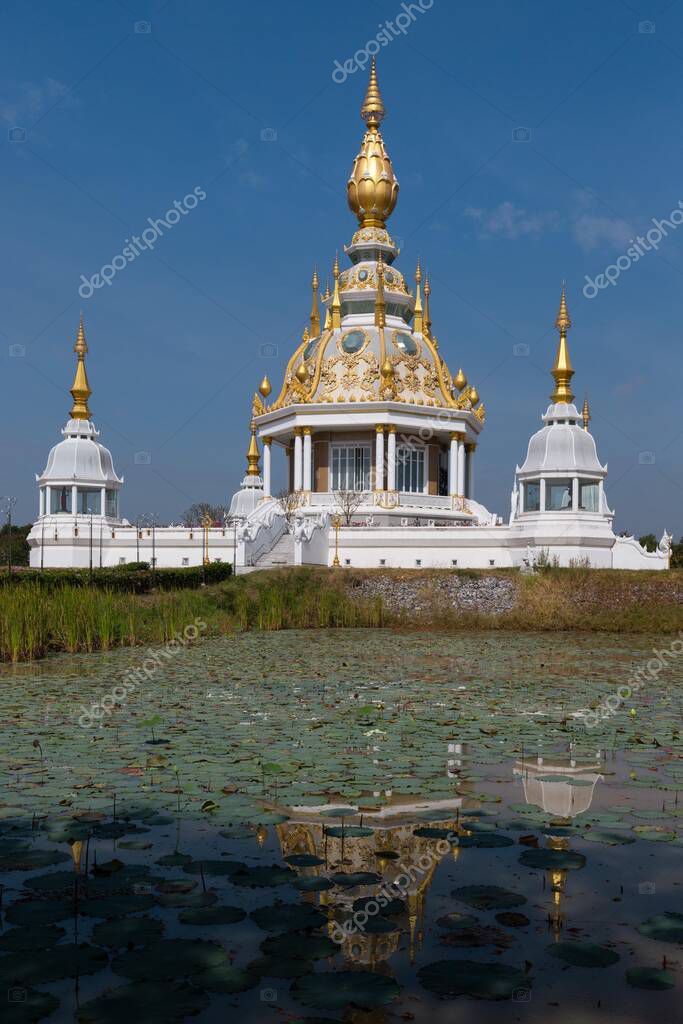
<point>35,621</point>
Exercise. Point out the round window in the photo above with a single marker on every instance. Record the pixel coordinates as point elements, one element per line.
<point>362,275</point>
<point>353,342</point>
<point>405,343</point>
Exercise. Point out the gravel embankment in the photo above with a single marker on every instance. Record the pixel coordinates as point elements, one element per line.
<point>491,595</point>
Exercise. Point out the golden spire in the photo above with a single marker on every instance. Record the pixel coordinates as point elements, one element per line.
<point>418,321</point>
<point>372,189</point>
<point>380,304</point>
<point>336,301</point>
<point>427,328</point>
<point>264,387</point>
<point>253,453</point>
<point>80,389</point>
<point>315,313</point>
<point>562,371</point>
<point>586,413</point>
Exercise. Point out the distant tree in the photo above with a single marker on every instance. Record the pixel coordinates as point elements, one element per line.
<point>347,503</point>
<point>677,555</point>
<point>194,515</point>
<point>648,541</point>
<point>289,502</point>
<point>20,549</point>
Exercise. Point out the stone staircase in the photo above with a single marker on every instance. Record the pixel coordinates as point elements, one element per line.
<point>279,556</point>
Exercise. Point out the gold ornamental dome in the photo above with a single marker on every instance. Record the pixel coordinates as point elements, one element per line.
<point>372,189</point>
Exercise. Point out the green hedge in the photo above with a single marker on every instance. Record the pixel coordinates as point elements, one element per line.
<point>134,578</point>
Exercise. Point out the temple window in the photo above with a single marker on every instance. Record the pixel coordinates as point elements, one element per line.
<point>110,504</point>
<point>589,495</point>
<point>351,467</point>
<point>88,502</point>
<point>558,495</point>
<point>60,500</point>
<point>532,496</point>
<point>410,470</point>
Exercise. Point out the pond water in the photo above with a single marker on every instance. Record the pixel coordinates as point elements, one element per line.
<point>343,826</point>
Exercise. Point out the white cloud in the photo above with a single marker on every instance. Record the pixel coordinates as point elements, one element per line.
<point>32,98</point>
<point>591,231</point>
<point>509,221</point>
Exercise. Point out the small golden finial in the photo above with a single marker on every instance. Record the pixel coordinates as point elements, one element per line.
<point>562,370</point>
<point>586,414</point>
<point>80,390</point>
<point>474,395</point>
<point>306,336</point>
<point>418,320</point>
<point>336,300</point>
<point>253,453</point>
<point>426,318</point>
<point>302,373</point>
<point>373,110</point>
<point>315,312</point>
<point>388,380</point>
<point>380,304</point>
<point>264,387</point>
<point>460,380</point>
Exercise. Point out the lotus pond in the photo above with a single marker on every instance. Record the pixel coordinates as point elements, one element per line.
<point>342,826</point>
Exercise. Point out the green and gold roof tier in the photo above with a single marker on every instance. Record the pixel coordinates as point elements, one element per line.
<point>376,343</point>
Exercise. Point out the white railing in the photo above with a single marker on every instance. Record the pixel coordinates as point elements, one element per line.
<point>260,532</point>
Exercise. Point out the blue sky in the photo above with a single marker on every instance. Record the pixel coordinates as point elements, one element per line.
<point>120,123</point>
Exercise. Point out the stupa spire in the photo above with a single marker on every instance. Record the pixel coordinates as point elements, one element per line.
<point>315,312</point>
<point>562,370</point>
<point>80,389</point>
<point>586,413</point>
<point>336,300</point>
<point>418,321</point>
<point>427,320</point>
<point>372,189</point>
<point>253,454</point>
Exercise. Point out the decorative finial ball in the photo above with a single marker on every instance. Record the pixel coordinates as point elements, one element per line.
<point>264,387</point>
<point>460,380</point>
<point>302,373</point>
<point>474,395</point>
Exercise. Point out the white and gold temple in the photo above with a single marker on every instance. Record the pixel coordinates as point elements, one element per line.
<point>379,441</point>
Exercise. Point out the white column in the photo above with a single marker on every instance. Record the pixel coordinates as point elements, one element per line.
<point>48,500</point>
<point>453,466</point>
<point>601,496</point>
<point>41,502</point>
<point>542,497</point>
<point>74,500</point>
<point>379,458</point>
<point>461,467</point>
<point>575,494</point>
<point>470,449</point>
<point>298,459</point>
<point>102,498</point>
<point>308,459</point>
<point>266,466</point>
<point>391,459</point>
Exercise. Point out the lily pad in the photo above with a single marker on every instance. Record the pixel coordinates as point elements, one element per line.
<point>336,990</point>
<point>449,979</point>
<point>263,876</point>
<point>48,965</point>
<point>666,927</point>
<point>306,945</point>
<point>288,917</point>
<point>488,897</point>
<point>169,958</point>
<point>226,978</point>
<point>153,1002</point>
<point>583,954</point>
<point>552,860</point>
<point>127,931</point>
<point>31,937</point>
<point>654,979</point>
<point>33,1006</point>
<point>211,915</point>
